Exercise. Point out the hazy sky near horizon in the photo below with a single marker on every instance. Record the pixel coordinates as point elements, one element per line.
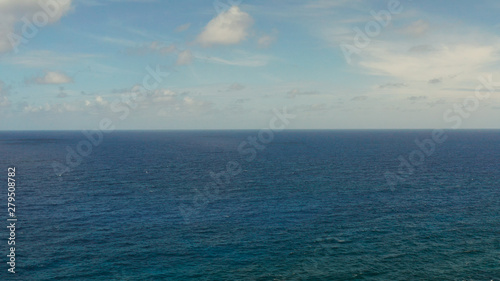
<point>227,64</point>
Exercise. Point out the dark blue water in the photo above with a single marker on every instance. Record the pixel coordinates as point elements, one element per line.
<point>311,205</point>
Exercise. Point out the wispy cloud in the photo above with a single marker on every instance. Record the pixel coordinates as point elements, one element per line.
<point>154,47</point>
<point>235,87</point>
<point>113,40</point>
<point>183,27</point>
<point>416,98</point>
<point>359,98</point>
<point>296,93</point>
<point>386,59</point>
<point>435,81</point>
<point>45,59</point>
<point>185,57</point>
<point>417,28</point>
<point>392,85</point>
<point>245,60</point>
<point>268,39</point>
<point>4,99</point>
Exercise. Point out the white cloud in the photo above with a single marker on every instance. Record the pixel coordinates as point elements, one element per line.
<point>156,46</point>
<point>393,85</point>
<point>419,49</point>
<point>163,95</point>
<point>385,59</point>
<point>235,87</point>
<point>183,27</point>
<point>53,77</point>
<point>163,101</point>
<point>101,101</point>
<point>46,59</point>
<point>247,60</point>
<point>266,40</point>
<point>53,108</point>
<point>27,16</point>
<point>107,2</point>
<point>311,108</point>
<point>4,100</point>
<point>416,28</point>
<point>435,81</point>
<point>327,4</point>
<point>414,51</point>
<point>113,40</point>
<point>153,47</point>
<point>185,57</point>
<point>359,98</point>
<point>228,28</point>
<point>296,92</point>
<point>417,98</point>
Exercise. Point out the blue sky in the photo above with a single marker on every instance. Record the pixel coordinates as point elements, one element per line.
<point>231,62</point>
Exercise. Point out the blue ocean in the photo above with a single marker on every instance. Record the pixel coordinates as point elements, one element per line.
<point>243,205</point>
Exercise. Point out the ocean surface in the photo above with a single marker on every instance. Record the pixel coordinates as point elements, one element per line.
<point>210,205</point>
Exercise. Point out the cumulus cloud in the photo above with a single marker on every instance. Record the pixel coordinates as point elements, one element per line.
<point>101,101</point>
<point>163,95</point>
<point>52,77</point>
<point>228,28</point>
<point>185,57</point>
<point>185,105</point>
<point>161,100</point>
<point>16,14</point>
<point>53,108</point>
